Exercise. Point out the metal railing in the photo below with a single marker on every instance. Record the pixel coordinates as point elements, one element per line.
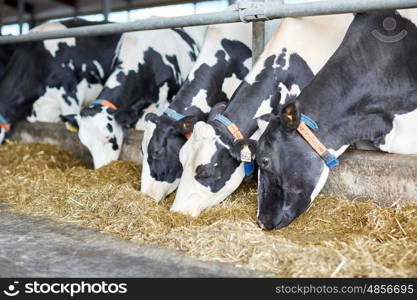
<point>243,12</point>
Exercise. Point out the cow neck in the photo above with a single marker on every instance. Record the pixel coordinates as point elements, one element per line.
<point>352,102</point>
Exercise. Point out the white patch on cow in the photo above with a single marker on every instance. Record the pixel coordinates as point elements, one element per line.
<point>264,108</point>
<point>47,108</point>
<point>95,135</point>
<point>192,197</point>
<point>87,92</point>
<point>158,190</point>
<point>71,65</point>
<point>285,92</point>
<point>163,95</point>
<point>402,138</point>
<point>320,183</point>
<point>325,173</point>
<point>112,81</point>
<point>99,68</point>
<point>152,108</point>
<point>306,29</point>
<point>262,125</point>
<point>340,151</point>
<point>83,67</point>
<point>200,101</point>
<point>53,45</point>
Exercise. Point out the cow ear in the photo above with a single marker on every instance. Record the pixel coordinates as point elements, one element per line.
<point>126,118</point>
<point>218,108</point>
<point>186,124</point>
<point>264,120</point>
<point>71,122</point>
<point>152,117</point>
<point>290,116</point>
<point>244,150</point>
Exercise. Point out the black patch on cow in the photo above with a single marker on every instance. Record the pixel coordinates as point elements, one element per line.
<point>138,90</point>
<point>216,173</point>
<point>91,111</point>
<point>190,41</point>
<point>163,150</point>
<point>113,141</point>
<point>239,53</point>
<point>6,52</point>
<point>109,127</point>
<point>32,68</point>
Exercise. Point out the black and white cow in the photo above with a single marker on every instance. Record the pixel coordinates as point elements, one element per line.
<point>51,77</point>
<point>150,68</point>
<point>224,61</point>
<point>366,91</point>
<point>211,157</point>
<point>6,52</point>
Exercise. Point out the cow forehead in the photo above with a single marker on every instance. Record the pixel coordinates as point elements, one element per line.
<point>99,119</point>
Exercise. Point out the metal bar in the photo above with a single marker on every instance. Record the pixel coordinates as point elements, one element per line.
<point>106,7</point>
<point>258,40</point>
<point>246,12</point>
<point>21,11</point>
<point>1,15</point>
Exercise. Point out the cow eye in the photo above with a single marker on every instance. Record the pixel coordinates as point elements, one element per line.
<point>204,172</point>
<point>264,163</point>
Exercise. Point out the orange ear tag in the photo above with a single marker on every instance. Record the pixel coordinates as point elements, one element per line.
<point>311,138</point>
<point>108,104</point>
<point>6,127</point>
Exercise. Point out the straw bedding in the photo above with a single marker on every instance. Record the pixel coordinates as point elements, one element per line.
<point>336,237</point>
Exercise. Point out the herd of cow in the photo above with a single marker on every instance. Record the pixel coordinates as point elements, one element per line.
<point>209,119</point>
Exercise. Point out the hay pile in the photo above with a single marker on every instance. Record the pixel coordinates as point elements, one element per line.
<point>336,237</point>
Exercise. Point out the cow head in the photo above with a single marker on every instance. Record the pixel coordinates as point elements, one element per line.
<point>161,144</point>
<point>212,170</point>
<point>291,173</point>
<point>99,131</point>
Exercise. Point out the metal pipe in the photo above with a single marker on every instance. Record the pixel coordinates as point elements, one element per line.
<point>106,7</point>
<point>20,11</point>
<point>248,12</point>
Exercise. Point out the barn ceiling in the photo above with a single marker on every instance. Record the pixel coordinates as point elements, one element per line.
<point>36,11</point>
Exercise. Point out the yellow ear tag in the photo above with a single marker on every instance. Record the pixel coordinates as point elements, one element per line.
<point>289,117</point>
<point>71,128</point>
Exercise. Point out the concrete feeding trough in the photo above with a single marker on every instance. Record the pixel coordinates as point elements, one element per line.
<point>387,179</point>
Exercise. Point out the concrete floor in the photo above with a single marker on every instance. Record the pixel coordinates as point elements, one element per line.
<point>38,247</point>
